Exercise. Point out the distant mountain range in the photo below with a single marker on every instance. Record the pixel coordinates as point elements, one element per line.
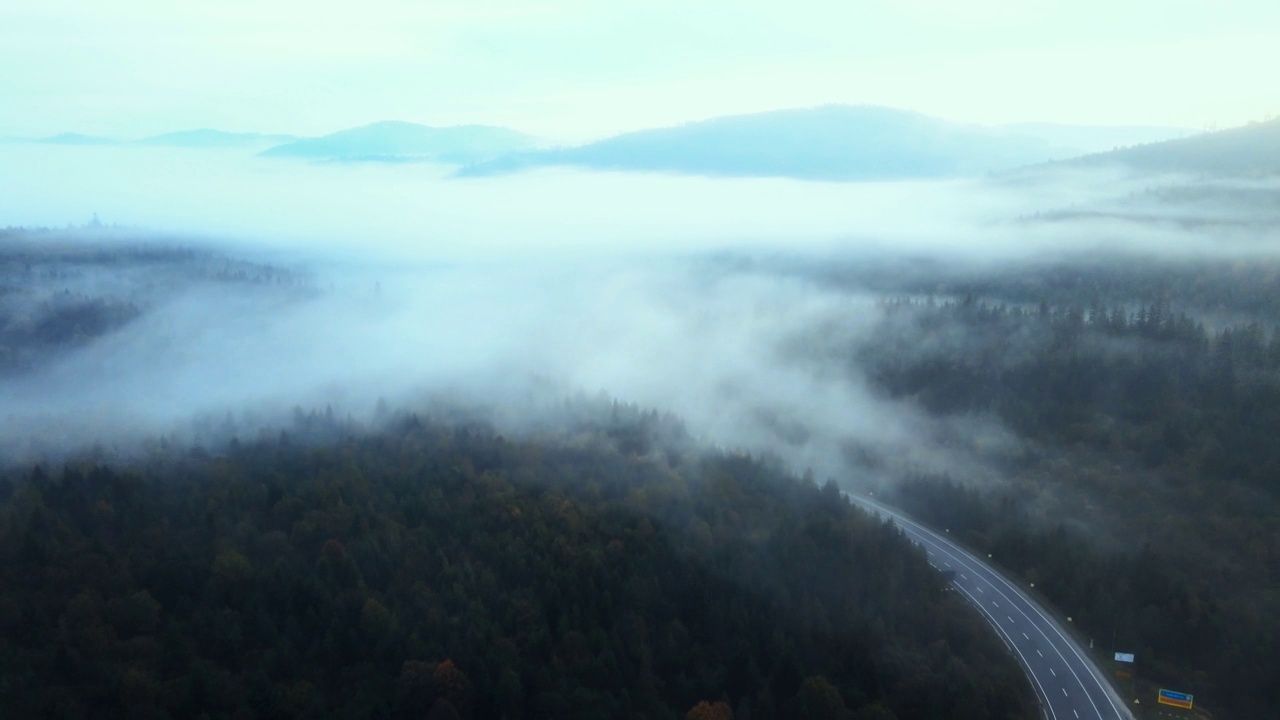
<point>206,138</point>
<point>74,139</point>
<point>834,143</point>
<point>388,141</point>
<point>400,141</point>
<point>202,138</point>
<point>1252,150</point>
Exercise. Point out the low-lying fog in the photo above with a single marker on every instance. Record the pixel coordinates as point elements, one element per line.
<point>373,210</point>
<point>515,291</point>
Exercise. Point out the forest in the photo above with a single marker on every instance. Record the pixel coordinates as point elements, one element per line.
<point>59,293</point>
<point>1105,425</point>
<point>608,568</point>
<point>1142,493</point>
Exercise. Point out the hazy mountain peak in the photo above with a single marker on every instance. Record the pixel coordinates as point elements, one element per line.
<point>208,137</point>
<point>829,142</point>
<point>401,140</point>
<point>68,138</point>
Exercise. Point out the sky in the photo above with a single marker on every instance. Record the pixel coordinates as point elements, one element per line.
<point>580,69</point>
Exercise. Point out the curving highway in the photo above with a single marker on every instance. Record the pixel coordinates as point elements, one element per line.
<point>1069,685</point>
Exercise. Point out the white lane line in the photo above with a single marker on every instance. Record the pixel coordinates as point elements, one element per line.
<point>1039,653</point>
<point>980,589</point>
<point>1077,712</point>
<point>944,562</point>
<point>963,576</point>
<point>1010,619</point>
<point>946,547</point>
<point>1053,715</point>
<point>1054,673</point>
<point>1026,636</point>
<point>993,602</point>
<point>1064,692</point>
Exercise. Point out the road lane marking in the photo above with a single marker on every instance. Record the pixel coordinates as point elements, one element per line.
<point>1039,653</point>
<point>1077,712</point>
<point>993,602</point>
<point>1010,619</point>
<point>943,544</point>
<point>963,576</point>
<point>927,537</point>
<point>946,563</point>
<point>1054,673</point>
<point>1064,692</point>
<point>1026,636</point>
<point>1034,678</point>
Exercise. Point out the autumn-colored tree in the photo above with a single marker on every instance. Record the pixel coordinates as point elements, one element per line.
<point>710,711</point>
<point>874,711</point>
<point>452,684</point>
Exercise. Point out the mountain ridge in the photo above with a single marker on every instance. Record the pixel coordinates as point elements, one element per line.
<point>1251,150</point>
<point>838,143</point>
<point>401,140</point>
<point>209,137</point>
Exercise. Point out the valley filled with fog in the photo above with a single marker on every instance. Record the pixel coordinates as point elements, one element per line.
<point>563,359</point>
<point>709,298</point>
<point>1080,343</point>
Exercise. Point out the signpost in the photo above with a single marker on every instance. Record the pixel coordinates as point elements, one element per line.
<point>1176,699</point>
<point>1124,657</point>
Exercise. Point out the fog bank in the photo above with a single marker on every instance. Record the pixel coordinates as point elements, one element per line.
<point>513,292</point>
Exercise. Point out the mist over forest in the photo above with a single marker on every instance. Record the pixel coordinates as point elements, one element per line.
<point>1075,368</point>
<point>719,300</point>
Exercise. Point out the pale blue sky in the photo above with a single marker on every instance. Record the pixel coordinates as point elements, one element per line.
<point>572,69</point>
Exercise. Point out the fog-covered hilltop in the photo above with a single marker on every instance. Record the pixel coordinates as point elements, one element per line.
<point>836,142</point>
<point>1252,150</point>
<point>398,141</point>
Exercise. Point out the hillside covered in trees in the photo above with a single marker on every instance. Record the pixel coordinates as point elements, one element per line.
<point>1252,150</point>
<point>434,568</point>
<point>1141,494</point>
<point>59,293</point>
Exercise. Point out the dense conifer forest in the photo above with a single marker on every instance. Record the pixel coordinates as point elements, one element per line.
<point>1142,494</point>
<point>606,569</point>
<point>1110,420</point>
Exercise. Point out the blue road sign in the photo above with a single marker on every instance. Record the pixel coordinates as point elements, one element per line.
<point>1176,699</point>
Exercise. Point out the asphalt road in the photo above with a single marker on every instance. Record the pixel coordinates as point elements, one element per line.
<point>1070,686</point>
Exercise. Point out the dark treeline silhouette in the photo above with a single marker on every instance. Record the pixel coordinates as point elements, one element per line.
<point>437,569</point>
<point>1150,382</point>
<point>58,293</point>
